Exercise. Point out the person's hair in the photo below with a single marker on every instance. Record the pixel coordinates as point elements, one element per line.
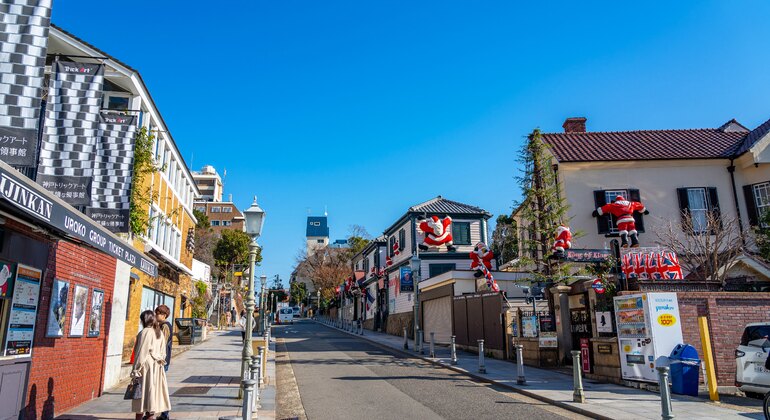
<point>149,321</point>
<point>163,310</point>
<point>243,312</point>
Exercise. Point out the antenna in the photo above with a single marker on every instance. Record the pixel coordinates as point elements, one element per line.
<point>326,213</point>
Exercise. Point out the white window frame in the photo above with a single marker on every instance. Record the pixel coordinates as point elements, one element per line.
<point>609,197</point>
<point>761,199</point>
<point>703,228</point>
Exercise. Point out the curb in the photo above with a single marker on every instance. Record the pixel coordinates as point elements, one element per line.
<point>477,377</point>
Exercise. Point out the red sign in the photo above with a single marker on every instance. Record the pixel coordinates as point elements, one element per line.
<point>598,286</point>
<point>585,359</point>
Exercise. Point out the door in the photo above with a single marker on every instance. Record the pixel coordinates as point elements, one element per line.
<point>437,318</point>
<point>152,298</point>
<point>13,381</point>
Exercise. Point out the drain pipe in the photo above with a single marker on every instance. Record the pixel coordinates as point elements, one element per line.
<point>731,170</point>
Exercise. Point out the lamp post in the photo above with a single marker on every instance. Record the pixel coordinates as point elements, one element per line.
<point>255,219</point>
<point>414,264</point>
<point>262,304</point>
<point>318,301</point>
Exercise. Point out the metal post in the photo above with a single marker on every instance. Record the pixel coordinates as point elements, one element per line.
<point>248,388</point>
<point>255,377</point>
<point>454,351</point>
<point>482,368</point>
<point>249,303</point>
<point>418,345</point>
<point>261,356</point>
<point>577,380</point>
<point>432,345</point>
<point>667,412</point>
<point>520,362</point>
<point>406,340</point>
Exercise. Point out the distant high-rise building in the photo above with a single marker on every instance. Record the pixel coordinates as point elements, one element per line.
<point>209,183</point>
<point>317,233</point>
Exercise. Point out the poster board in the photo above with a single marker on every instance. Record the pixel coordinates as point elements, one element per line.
<point>23,313</point>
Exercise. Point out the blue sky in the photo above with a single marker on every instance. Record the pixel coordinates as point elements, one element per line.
<point>370,107</point>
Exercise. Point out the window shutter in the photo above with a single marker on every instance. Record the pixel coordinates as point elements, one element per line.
<point>602,222</point>
<point>751,205</point>
<point>633,195</point>
<point>714,208</point>
<point>401,239</point>
<point>684,204</point>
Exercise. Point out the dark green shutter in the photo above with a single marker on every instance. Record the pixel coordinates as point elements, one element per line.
<point>714,208</point>
<point>751,205</point>
<point>684,204</point>
<point>633,195</point>
<point>602,222</point>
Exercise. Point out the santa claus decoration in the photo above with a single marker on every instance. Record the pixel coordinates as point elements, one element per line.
<point>437,232</point>
<point>388,260</point>
<point>623,210</point>
<point>396,248</point>
<point>481,256</point>
<point>563,240</point>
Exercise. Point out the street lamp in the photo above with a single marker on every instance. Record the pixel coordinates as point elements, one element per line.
<point>414,264</point>
<point>262,304</point>
<point>255,219</point>
<point>318,301</point>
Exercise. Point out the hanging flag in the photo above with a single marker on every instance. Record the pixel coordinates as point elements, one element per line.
<point>24,28</point>
<point>111,188</point>
<point>70,132</point>
<point>652,264</point>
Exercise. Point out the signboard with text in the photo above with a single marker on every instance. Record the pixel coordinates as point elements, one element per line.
<point>23,313</point>
<point>407,281</point>
<point>586,255</point>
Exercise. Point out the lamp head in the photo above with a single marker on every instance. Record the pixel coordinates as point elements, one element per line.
<point>255,219</point>
<point>414,263</point>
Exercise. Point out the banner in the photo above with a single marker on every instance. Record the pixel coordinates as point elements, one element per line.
<point>407,281</point>
<point>24,39</point>
<point>70,132</point>
<point>651,264</point>
<point>111,188</point>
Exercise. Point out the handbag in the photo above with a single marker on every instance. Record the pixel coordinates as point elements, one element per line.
<point>134,390</point>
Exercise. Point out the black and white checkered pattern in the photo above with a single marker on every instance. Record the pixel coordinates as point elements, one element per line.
<point>24,28</point>
<point>114,161</point>
<point>71,130</point>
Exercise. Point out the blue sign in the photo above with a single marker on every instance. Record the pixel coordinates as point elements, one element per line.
<point>407,281</point>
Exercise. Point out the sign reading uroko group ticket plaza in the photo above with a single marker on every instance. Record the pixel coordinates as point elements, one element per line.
<point>21,193</point>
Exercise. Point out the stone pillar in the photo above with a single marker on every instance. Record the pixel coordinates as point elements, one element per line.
<point>563,323</point>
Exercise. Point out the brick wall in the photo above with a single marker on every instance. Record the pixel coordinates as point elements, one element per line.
<point>68,371</point>
<point>728,313</point>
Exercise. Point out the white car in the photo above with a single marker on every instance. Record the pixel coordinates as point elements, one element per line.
<point>295,310</point>
<point>285,316</point>
<point>751,376</point>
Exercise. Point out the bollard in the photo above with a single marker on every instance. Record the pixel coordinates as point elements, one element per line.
<point>520,361</point>
<point>454,351</point>
<point>432,345</point>
<point>482,368</point>
<point>666,411</point>
<point>248,389</point>
<point>362,328</point>
<point>406,340</point>
<point>577,380</point>
<point>255,377</point>
<point>418,347</point>
<point>261,355</point>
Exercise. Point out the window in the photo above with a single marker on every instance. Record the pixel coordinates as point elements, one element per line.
<point>606,224</point>
<point>227,209</point>
<point>226,223</point>
<point>401,239</point>
<point>461,233</point>
<point>320,241</point>
<point>315,223</point>
<point>117,103</point>
<point>201,209</point>
<point>215,223</point>
<point>436,269</point>
<point>366,265</point>
<point>216,209</point>
<point>698,203</point>
<point>391,243</point>
<point>757,201</point>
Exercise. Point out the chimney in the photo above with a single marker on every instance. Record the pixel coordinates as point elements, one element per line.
<point>574,125</point>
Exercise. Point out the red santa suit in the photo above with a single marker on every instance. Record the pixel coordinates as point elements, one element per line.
<point>437,232</point>
<point>623,210</point>
<point>481,255</point>
<point>563,239</point>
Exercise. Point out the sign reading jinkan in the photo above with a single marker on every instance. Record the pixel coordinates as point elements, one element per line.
<point>20,193</point>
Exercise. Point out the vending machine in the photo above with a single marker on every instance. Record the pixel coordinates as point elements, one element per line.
<point>648,327</point>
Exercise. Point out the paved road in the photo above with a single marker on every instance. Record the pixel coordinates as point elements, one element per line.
<point>339,376</point>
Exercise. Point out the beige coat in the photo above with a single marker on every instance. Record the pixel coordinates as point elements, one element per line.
<point>149,359</point>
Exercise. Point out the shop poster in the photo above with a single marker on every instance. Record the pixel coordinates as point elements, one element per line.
<point>97,306</point>
<point>529,326</point>
<point>57,311</point>
<point>23,313</point>
<point>79,302</point>
<point>6,279</point>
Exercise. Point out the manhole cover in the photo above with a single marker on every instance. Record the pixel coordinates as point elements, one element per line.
<point>192,390</point>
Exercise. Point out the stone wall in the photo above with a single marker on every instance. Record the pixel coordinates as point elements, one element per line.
<point>397,322</point>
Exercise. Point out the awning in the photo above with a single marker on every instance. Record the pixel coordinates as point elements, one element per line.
<point>27,198</point>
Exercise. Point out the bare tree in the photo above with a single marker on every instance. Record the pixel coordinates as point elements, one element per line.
<point>327,268</point>
<point>706,243</point>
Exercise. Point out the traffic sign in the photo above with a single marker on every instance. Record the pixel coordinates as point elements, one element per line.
<point>598,286</point>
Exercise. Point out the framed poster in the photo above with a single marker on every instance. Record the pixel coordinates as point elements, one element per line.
<point>407,281</point>
<point>57,311</point>
<point>97,305</point>
<point>23,313</point>
<point>79,303</point>
<point>6,279</point>
<point>529,326</point>
<point>603,321</point>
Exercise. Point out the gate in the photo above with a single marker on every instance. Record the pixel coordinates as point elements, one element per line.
<point>479,316</point>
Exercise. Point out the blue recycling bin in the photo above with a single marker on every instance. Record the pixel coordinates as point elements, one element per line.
<point>685,370</point>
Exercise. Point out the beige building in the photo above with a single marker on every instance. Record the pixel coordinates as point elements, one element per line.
<point>209,183</point>
<point>725,170</point>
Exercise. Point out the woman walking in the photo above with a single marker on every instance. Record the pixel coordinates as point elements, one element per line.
<point>149,359</point>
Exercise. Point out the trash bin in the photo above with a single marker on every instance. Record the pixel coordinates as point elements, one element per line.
<point>685,370</point>
<point>190,330</point>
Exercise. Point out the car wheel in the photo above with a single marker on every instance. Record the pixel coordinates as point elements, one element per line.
<point>754,395</point>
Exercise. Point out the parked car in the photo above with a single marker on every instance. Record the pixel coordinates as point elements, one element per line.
<point>285,316</point>
<point>751,376</point>
<point>296,311</point>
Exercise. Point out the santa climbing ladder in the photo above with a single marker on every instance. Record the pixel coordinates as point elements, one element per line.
<point>623,210</point>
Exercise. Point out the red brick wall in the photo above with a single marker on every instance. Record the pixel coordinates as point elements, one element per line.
<point>68,371</point>
<point>728,313</point>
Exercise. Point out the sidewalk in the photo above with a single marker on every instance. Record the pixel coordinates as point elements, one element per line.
<point>203,383</point>
<point>604,401</point>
